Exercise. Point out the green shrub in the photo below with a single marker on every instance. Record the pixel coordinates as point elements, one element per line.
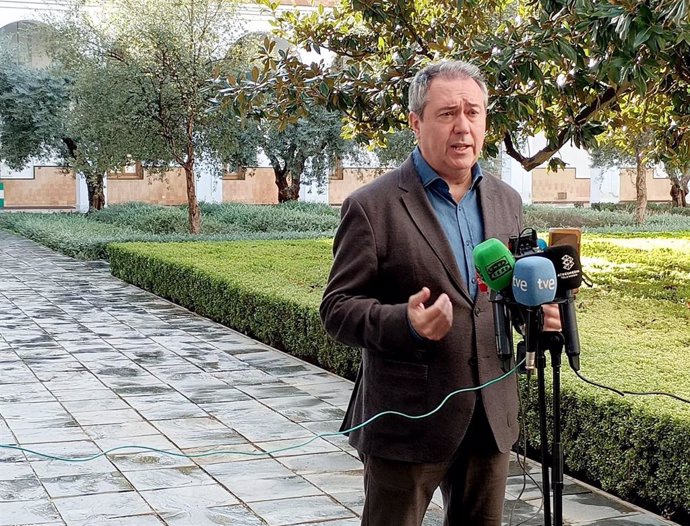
<point>86,236</point>
<point>605,219</point>
<point>267,290</point>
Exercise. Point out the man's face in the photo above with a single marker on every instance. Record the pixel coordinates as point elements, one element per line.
<point>451,132</point>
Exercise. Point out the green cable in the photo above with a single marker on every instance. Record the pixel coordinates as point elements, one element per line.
<point>273,451</point>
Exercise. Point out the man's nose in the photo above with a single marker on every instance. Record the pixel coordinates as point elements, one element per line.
<point>462,123</point>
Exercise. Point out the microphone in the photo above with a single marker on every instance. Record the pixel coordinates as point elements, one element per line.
<point>494,264</point>
<point>533,285</point>
<point>566,262</point>
<point>534,281</point>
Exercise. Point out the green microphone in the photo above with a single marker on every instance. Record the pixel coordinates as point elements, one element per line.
<point>495,264</point>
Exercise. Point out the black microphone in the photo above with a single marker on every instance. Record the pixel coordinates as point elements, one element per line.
<point>566,261</point>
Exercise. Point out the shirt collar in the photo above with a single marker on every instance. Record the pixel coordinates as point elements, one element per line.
<point>427,174</point>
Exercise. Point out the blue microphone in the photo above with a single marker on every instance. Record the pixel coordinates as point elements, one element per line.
<point>534,284</point>
<point>534,281</point>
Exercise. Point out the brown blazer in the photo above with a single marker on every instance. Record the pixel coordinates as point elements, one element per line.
<point>388,246</point>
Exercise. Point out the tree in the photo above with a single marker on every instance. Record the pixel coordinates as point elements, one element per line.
<point>101,133</point>
<point>553,69</point>
<point>164,54</point>
<point>33,105</point>
<point>636,126</point>
<point>303,150</point>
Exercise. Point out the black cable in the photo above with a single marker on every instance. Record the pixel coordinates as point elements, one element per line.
<point>525,473</point>
<point>632,393</point>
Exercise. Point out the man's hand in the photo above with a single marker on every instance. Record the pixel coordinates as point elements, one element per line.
<point>552,317</point>
<point>433,322</point>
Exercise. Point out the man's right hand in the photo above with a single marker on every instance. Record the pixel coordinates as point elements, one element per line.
<point>432,322</point>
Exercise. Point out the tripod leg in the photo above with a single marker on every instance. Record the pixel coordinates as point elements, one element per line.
<point>544,437</point>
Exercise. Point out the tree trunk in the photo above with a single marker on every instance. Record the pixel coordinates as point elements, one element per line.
<point>94,190</point>
<point>192,202</point>
<point>287,191</point>
<point>641,189</point>
<point>679,190</point>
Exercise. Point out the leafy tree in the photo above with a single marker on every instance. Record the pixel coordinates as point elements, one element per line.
<point>33,105</point>
<point>303,150</point>
<point>553,69</point>
<point>636,126</point>
<point>101,132</point>
<point>163,55</point>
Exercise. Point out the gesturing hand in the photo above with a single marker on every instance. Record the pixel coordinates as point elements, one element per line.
<point>431,322</point>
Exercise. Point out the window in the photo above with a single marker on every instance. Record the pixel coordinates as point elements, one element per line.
<point>337,171</point>
<point>562,195</point>
<point>235,174</point>
<point>132,170</point>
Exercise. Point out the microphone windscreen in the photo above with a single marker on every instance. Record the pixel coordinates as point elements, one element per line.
<point>542,244</point>
<point>495,263</point>
<point>566,261</point>
<point>534,281</point>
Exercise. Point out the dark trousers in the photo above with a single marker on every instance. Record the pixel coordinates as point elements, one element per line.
<point>472,483</point>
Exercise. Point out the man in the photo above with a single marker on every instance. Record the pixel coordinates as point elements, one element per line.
<point>403,287</point>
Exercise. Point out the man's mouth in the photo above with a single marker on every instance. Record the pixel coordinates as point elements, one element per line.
<point>461,147</point>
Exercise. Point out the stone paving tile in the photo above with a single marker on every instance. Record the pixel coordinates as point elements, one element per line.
<point>321,463</point>
<point>94,509</point>
<point>29,488</point>
<point>189,433</point>
<point>86,484</point>
<point>168,478</point>
<point>237,515</point>
<point>299,510</point>
<point>33,512</point>
<point>170,501</point>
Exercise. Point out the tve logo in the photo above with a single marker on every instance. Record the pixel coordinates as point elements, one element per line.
<point>546,284</point>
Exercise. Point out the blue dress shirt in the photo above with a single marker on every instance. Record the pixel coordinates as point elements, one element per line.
<point>462,222</point>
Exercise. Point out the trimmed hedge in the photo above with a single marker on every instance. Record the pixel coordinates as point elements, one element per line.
<point>245,285</point>
<point>635,447</point>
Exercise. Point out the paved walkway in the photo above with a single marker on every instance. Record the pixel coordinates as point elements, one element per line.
<point>89,363</point>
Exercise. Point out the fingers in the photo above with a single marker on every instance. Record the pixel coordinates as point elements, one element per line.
<point>431,322</point>
<point>552,317</point>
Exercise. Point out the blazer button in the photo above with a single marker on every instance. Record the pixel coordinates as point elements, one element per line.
<point>477,311</point>
<point>472,361</point>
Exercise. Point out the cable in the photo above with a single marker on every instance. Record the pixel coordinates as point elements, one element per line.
<point>525,473</point>
<point>632,393</point>
<point>273,451</point>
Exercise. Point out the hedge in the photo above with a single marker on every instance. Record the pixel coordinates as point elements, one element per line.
<point>245,289</point>
<point>635,447</point>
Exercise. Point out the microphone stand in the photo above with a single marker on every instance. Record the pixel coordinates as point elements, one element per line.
<point>553,342</point>
<point>538,341</point>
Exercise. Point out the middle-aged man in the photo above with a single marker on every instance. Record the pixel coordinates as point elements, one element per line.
<point>403,288</point>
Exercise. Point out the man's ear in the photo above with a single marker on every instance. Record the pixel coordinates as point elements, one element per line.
<point>413,119</point>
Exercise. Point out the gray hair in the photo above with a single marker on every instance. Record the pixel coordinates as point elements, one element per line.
<point>446,69</point>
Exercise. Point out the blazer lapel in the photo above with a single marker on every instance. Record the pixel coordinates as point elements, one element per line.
<point>486,202</point>
<point>423,215</point>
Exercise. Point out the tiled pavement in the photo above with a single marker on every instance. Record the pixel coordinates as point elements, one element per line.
<point>89,363</point>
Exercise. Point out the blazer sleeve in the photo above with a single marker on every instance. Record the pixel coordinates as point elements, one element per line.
<point>350,310</point>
